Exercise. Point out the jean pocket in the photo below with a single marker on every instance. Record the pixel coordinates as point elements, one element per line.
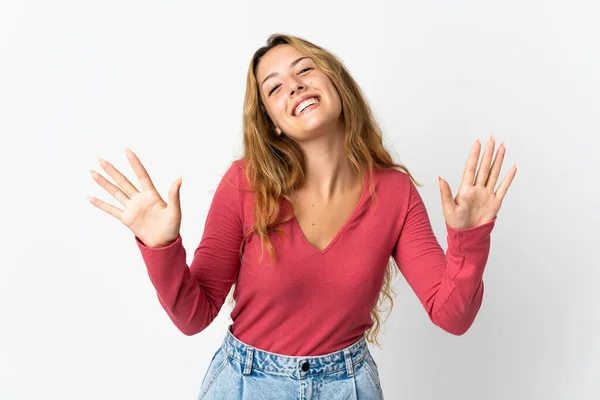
<point>217,364</point>
<point>371,367</point>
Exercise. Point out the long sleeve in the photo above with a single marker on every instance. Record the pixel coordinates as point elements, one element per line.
<point>450,286</point>
<point>192,297</point>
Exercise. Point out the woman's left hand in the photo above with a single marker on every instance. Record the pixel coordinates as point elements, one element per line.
<point>476,202</point>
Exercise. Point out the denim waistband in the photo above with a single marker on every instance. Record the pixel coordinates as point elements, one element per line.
<point>298,367</point>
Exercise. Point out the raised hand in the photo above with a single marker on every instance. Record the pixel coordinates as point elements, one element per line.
<point>476,202</point>
<point>153,221</point>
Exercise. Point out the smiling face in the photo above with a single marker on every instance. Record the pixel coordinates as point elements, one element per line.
<point>288,78</point>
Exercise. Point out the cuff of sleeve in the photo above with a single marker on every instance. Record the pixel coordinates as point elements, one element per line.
<point>157,250</point>
<point>463,239</point>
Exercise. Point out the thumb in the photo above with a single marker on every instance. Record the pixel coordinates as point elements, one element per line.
<point>446,194</point>
<point>174,197</point>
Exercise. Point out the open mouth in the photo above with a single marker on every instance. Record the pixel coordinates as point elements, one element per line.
<point>307,106</point>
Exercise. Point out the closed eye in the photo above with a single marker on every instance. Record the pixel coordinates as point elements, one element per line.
<point>276,86</point>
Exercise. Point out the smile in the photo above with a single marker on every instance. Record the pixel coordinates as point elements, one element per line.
<point>308,109</point>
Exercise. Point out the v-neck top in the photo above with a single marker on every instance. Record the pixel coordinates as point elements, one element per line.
<point>309,302</point>
<point>296,224</point>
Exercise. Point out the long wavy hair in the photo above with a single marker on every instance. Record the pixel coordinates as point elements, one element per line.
<point>275,164</point>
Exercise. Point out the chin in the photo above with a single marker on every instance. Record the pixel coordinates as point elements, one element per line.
<point>314,129</point>
<point>320,120</point>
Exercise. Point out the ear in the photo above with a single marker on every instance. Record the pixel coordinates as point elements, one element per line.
<point>277,130</point>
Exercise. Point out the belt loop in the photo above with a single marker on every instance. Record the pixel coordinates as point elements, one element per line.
<point>248,362</point>
<point>349,364</point>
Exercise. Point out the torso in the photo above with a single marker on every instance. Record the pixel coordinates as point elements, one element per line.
<point>276,299</point>
<point>320,222</point>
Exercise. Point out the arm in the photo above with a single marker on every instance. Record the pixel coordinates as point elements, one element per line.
<point>193,297</point>
<point>450,286</point>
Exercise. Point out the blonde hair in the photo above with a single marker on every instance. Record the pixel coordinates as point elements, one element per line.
<point>275,164</point>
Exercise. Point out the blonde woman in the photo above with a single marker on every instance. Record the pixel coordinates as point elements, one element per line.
<point>319,192</point>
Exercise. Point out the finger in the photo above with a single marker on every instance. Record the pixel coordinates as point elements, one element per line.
<point>469,172</point>
<point>115,191</point>
<point>126,185</point>
<point>484,167</point>
<point>496,167</point>
<point>174,194</point>
<point>448,203</point>
<point>140,171</point>
<point>505,184</point>
<point>108,208</point>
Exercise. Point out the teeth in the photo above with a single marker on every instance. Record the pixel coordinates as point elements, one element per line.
<point>304,104</point>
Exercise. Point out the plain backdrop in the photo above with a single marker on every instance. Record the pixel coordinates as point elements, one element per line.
<point>79,80</point>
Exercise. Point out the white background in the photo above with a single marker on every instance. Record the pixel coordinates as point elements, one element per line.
<point>78,80</point>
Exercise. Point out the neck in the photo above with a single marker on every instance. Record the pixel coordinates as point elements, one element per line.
<point>329,172</point>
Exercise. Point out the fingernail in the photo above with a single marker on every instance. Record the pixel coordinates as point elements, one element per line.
<point>492,137</point>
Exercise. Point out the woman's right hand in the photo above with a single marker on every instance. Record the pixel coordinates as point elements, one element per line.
<point>154,222</point>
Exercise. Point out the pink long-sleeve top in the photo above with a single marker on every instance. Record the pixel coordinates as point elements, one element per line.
<point>307,301</point>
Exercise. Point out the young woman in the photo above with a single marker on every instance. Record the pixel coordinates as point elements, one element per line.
<point>318,190</point>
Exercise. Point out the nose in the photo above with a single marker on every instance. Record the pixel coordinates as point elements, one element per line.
<point>296,87</point>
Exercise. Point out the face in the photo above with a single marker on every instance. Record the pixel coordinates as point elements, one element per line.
<point>286,78</point>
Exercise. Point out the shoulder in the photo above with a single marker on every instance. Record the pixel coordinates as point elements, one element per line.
<point>236,167</point>
<point>394,188</point>
<point>393,179</point>
<point>240,163</point>
<point>234,182</point>
<point>236,171</point>
<point>232,179</point>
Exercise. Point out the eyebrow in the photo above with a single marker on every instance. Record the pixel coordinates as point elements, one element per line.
<point>272,74</point>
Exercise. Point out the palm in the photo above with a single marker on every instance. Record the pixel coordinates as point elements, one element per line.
<point>146,214</point>
<point>476,202</point>
<point>145,210</point>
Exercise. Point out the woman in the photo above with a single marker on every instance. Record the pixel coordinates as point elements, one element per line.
<point>317,188</point>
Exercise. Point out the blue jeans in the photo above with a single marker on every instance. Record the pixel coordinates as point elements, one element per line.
<point>240,371</point>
